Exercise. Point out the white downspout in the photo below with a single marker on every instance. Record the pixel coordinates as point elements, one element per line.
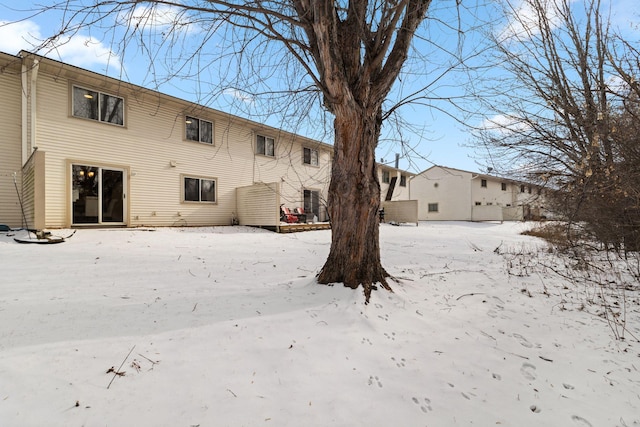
<point>23,75</point>
<point>28,93</point>
<point>34,104</point>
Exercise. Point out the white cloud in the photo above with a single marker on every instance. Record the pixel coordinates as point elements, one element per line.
<point>504,124</point>
<point>79,50</point>
<point>524,18</point>
<point>240,95</point>
<point>17,36</point>
<point>159,18</point>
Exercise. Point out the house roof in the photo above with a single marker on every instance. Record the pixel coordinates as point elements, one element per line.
<point>476,175</point>
<point>383,166</point>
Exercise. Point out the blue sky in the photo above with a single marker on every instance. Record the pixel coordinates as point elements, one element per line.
<point>437,138</point>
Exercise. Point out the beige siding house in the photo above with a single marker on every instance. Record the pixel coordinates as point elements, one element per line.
<point>10,157</point>
<point>456,195</point>
<point>89,150</point>
<point>396,202</point>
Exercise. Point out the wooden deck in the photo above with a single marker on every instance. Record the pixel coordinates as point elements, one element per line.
<point>295,228</point>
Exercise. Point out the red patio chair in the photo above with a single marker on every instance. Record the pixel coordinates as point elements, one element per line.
<point>287,216</point>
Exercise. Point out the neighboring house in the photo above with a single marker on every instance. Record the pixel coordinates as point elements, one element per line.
<point>394,183</point>
<point>394,194</point>
<point>90,150</point>
<point>453,194</point>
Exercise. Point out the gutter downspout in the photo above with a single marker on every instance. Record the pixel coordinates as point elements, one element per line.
<point>23,76</point>
<point>34,104</point>
<point>28,94</point>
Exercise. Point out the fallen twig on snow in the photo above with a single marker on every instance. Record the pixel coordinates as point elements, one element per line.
<point>469,295</point>
<point>118,372</point>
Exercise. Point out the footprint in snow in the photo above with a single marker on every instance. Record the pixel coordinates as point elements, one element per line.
<point>528,371</point>
<point>425,404</point>
<point>522,340</point>
<point>579,421</point>
<point>391,336</point>
<point>374,380</point>
<point>399,363</point>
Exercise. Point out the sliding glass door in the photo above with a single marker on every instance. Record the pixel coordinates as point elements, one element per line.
<point>97,195</point>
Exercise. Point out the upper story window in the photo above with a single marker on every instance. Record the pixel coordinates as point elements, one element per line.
<point>93,105</point>
<point>483,183</point>
<point>265,146</point>
<point>310,156</point>
<point>198,130</point>
<point>522,188</point>
<point>403,180</point>
<point>504,186</point>
<point>385,177</point>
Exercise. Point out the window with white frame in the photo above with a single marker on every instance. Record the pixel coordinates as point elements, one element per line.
<point>199,189</point>
<point>94,105</point>
<point>310,156</point>
<point>504,186</point>
<point>432,207</point>
<point>198,130</point>
<point>403,180</point>
<point>483,183</point>
<point>265,146</point>
<point>385,177</point>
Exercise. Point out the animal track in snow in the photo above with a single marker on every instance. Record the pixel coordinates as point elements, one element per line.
<point>366,341</point>
<point>399,363</point>
<point>528,371</point>
<point>391,336</point>
<point>425,404</point>
<point>374,380</point>
<point>579,421</point>
<point>385,317</point>
<point>568,386</point>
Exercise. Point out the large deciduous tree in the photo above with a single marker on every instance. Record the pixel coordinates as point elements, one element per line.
<point>565,99</point>
<point>353,51</point>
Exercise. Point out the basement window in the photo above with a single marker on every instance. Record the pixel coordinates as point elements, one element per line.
<point>432,207</point>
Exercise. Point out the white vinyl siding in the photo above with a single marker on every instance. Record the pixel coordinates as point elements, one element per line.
<point>155,157</point>
<point>10,141</point>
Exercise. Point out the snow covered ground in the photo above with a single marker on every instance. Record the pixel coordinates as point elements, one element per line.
<point>225,326</point>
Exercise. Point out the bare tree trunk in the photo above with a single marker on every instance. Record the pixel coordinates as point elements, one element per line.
<point>354,200</point>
